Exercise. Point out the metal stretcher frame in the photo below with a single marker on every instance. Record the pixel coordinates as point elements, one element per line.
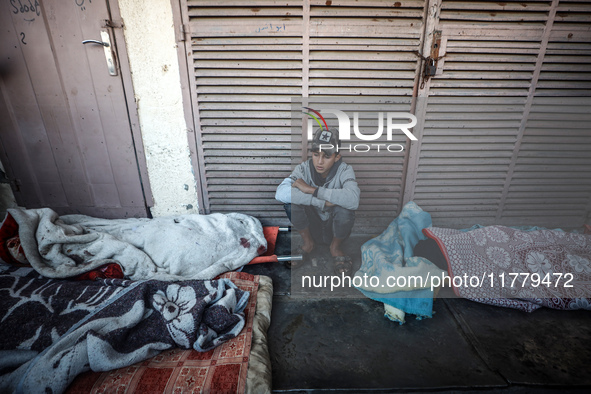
<point>269,256</point>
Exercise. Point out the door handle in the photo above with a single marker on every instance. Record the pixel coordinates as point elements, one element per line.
<point>108,48</point>
<point>105,44</point>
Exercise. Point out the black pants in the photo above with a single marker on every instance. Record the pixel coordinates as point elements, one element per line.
<point>339,224</point>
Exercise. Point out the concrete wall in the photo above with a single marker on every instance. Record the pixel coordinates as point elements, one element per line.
<point>151,46</point>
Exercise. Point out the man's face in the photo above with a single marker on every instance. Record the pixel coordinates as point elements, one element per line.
<point>323,162</point>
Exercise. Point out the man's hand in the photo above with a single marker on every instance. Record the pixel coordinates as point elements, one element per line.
<point>303,186</point>
<point>328,204</point>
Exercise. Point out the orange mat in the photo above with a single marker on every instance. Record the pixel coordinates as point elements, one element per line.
<point>269,256</point>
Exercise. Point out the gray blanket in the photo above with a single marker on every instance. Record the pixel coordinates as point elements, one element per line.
<point>166,248</point>
<point>52,330</point>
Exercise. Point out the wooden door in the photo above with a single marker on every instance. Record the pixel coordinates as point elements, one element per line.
<point>69,140</point>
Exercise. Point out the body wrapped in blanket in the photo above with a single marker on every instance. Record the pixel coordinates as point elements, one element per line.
<point>165,248</point>
<point>55,329</point>
<point>103,324</point>
<point>521,269</point>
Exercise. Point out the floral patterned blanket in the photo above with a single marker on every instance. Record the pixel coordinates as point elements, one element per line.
<point>518,269</point>
<point>52,330</point>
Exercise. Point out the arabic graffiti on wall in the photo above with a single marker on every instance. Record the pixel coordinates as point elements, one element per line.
<point>271,28</point>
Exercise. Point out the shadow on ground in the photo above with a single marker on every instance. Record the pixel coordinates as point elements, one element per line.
<point>341,342</point>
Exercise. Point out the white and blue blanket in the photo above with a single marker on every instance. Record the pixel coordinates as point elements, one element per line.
<point>389,256</point>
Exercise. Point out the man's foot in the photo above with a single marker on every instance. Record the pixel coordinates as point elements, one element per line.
<point>335,247</point>
<point>307,241</point>
<point>306,257</point>
<point>305,250</point>
<point>343,265</point>
<point>307,247</point>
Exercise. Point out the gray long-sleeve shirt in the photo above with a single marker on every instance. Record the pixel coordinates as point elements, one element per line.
<point>341,189</point>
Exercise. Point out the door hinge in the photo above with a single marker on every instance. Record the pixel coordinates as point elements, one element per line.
<point>113,24</point>
<point>185,31</point>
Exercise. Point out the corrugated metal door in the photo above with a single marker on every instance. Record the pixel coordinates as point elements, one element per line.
<point>504,135</point>
<point>66,137</point>
<point>247,63</point>
<point>251,57</point>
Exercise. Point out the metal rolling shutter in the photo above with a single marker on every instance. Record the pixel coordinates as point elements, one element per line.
<point>481,159</point>
<point>551,175</point>
<point>251,57</point>
<point>365,52</point>
<point>247,64</point>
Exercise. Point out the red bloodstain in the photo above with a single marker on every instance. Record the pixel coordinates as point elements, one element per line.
<point>244,242</point>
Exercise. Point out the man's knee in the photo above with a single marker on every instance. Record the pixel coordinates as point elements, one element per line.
<point>297,215</point>
<point>342,222</point>
<point>342,214</point>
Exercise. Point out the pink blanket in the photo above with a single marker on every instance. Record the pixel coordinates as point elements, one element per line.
<point>518,269</point>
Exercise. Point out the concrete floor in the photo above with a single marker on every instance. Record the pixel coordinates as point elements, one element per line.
<point>342,342</point>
